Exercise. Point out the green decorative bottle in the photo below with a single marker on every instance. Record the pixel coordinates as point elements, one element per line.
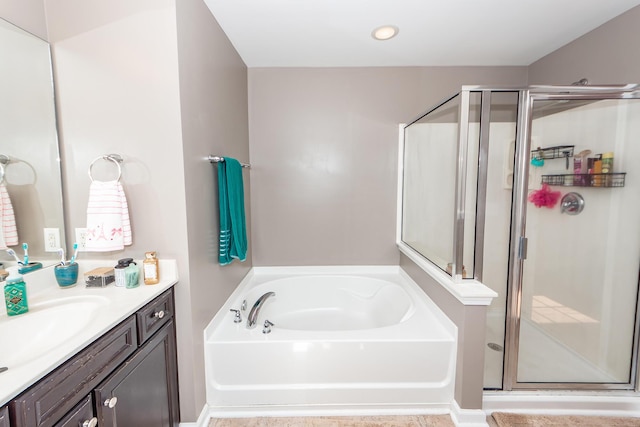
<point>15,293</point>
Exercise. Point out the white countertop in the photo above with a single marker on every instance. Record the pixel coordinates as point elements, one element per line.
<point>116,304</point>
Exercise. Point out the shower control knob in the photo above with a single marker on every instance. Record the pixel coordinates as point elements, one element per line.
<point>571,204</point>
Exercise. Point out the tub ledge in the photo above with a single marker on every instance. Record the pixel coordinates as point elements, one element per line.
<point>468,292</point>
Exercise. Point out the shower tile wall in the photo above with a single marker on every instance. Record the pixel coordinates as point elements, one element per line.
<point>580,277</point>
<point>564,269</point>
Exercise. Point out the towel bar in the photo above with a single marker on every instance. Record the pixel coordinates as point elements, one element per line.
<point>218,159</point>
<point>115,158</point>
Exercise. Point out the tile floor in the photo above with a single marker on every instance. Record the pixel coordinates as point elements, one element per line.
<point>378,421</point>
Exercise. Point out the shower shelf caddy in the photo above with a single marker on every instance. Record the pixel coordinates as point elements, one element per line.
<point>603,180</point>
<point>557,152</point>
<point>595,180</point>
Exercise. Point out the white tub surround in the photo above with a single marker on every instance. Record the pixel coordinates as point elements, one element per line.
<point>91,312</point>
<point>344,339</point>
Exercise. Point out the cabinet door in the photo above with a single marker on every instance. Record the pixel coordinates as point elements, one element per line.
<point>80,416</point>
<point>4,417</point>
<point>143,391</point>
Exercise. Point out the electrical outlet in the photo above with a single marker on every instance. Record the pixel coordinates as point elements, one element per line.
<point>81,239</point>
<point>51,239</point>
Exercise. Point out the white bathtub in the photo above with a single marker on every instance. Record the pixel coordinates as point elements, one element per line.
<point>343,337</point>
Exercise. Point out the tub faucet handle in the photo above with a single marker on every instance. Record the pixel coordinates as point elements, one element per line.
<point>237,318</point>
<point>266,328</point>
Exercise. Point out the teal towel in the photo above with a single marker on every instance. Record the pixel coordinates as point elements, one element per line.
<point>233,231</point>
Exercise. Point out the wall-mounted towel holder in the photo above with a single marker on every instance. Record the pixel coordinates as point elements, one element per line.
<point>4,161</point>
<point>115,158</point>
<point>218,159</point>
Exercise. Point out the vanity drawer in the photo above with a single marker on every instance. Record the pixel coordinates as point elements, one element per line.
<point>80,415</point>
<point>45,404</point>
<point>154,315</point>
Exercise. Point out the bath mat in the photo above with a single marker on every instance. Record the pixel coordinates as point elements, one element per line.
<point>381,421</point>
<point>506,419</point>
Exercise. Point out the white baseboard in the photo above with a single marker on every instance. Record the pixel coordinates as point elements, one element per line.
<point>467,417</point>
<point>203,419</point>
<point>317,410</point>
<point>460,417</point>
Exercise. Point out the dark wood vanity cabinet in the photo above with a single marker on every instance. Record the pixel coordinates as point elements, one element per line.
<point>125,378</point>
<point>142,386</point>
<point>4,417</point>
<point>80,416</point>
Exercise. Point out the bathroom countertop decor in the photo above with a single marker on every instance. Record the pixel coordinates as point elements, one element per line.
<point>98,310</point>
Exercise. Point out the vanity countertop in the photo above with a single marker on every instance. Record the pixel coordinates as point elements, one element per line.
<point>97,311</point>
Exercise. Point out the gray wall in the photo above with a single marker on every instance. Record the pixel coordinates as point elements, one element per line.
<point>606,55</point>
<point>324,145</point>
<point>471,323</point>
<point>213,101</point>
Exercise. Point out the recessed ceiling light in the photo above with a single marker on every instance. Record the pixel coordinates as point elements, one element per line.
<point>385,32</point>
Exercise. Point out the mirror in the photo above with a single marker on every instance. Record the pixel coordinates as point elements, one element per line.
<point>30,172</point>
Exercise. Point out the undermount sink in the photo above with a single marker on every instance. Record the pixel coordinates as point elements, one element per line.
<point>48,323</point>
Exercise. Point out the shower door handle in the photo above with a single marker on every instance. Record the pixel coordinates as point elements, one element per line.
<point>522,248</point>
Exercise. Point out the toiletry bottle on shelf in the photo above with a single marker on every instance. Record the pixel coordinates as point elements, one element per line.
<point>15,293</point>
<point>597,171</point>
<point>607,167</point>
<point>578,179</point>
<point>150,268</point>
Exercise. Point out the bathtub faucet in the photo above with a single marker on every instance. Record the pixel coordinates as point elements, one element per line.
<point>255,310</point>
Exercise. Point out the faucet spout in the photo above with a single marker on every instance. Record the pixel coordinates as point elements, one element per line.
<point>252,319</point>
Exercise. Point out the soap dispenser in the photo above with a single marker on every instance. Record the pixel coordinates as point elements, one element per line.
<point>127,273</point>
<point>15,293</point>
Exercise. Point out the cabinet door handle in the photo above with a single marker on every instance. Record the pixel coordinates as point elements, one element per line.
<point>93,422</point>
<point>159,314</point>
<point>111,403</point>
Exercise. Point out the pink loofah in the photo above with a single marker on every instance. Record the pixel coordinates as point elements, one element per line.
<point>544,197</point>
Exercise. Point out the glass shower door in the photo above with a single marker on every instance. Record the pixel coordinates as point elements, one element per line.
<point>580,253</point>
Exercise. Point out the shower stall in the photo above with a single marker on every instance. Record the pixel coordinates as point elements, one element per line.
<point>533,192</point>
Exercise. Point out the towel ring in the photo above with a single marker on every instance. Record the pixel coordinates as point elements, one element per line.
<point>115,158</point>
<point>4,160</point>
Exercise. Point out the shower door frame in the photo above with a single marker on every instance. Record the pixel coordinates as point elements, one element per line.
<point>517,241</point>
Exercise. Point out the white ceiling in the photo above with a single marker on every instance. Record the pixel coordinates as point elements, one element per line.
<point>337,33</point>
